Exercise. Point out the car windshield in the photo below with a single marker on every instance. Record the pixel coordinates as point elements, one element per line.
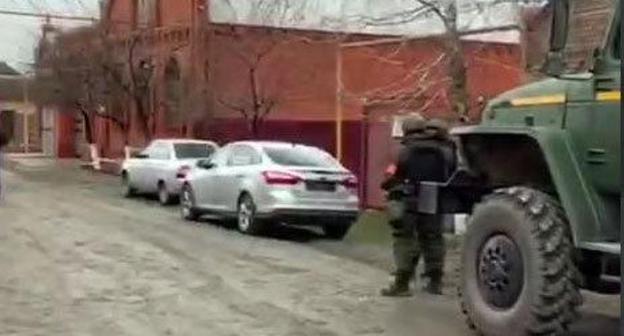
<point>300,156</point>
<point>193,150</point>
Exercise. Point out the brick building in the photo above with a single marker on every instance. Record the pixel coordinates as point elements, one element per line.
<point>20,118</point>
<point>308,74</point>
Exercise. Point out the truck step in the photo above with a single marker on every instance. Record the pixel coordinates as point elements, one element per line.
<point>610,248</point>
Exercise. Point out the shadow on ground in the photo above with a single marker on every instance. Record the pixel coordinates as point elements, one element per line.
<point>277,231</point>
<point>596,324</point>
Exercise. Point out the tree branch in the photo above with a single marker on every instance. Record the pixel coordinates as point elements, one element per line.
<point>234,107</point>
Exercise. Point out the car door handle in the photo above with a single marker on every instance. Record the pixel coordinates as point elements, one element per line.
<point>240,176</point>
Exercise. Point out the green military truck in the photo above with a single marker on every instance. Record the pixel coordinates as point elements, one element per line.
<point>541,181</point>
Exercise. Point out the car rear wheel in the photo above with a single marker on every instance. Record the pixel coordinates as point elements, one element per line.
<point>337,230</point>
<point>247,221</point>
<point>188,208</point>
<point>127,190</point>
<point>164,197</point>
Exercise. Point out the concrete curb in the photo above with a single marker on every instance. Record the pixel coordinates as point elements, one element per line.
<point>9,164</point>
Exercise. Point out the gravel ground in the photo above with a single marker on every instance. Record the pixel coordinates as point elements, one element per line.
<point>79,260</point>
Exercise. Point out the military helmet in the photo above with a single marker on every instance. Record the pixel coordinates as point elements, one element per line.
<point>413,123</point>
<point>437,128</point>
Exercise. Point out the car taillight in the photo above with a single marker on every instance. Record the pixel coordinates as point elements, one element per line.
<point>351,182</point>
<point>182,171</point>
<point>276,177</point>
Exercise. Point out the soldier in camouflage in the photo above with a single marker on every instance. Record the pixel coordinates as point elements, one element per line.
<point>427,155</point>
<point>395,190</point>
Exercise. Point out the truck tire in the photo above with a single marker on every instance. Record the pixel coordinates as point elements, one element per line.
<point>518,276</point>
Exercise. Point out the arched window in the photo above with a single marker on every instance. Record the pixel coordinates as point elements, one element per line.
<point>173,91</point>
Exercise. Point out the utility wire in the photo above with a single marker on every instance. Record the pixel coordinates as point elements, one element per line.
<point>51,16</point>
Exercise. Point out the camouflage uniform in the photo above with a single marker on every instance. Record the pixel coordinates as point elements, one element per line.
<point>427,155</point>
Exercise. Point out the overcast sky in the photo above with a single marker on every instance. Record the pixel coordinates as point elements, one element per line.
<point>18,34</point>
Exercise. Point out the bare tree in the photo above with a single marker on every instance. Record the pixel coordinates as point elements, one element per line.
<point>132,71</point>
<point>265,76</point>
<point>86,70</point>
<point>446,12</point>
<point>270,77</point>
<point>71,74</point>
<point>255,105</point>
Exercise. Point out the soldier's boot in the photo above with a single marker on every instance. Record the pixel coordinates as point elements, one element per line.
<point>434,286</point>
<point>395,272</point>
<point>400,286</point>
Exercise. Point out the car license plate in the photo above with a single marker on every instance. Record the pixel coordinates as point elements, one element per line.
<point>321,186</point>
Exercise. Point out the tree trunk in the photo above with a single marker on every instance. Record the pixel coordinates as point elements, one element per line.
<point>458,74</point>
<point>255,126</point>
<point>88,126</point>
<point>457,65</point>
<point>143,119</point>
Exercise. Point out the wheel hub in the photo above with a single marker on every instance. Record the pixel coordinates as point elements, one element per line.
<point>500,272</point>
<point>186,202</point>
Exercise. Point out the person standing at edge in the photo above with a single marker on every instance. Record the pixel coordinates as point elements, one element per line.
<point>428,154</point>
<point>402,245</point>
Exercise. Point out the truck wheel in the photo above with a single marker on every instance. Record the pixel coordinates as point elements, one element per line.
<point>518,275</point>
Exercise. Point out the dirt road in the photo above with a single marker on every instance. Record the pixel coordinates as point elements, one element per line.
<point>76,259</point>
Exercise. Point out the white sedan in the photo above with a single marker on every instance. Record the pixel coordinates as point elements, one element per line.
<point>160,167</point>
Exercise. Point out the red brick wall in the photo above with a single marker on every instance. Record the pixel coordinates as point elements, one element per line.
<point>381,72</point>
<point>175,12</point>
<point>298,72</point>
<point>121,14</point>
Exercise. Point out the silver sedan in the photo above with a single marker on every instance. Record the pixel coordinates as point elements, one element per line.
<point>258,183</point>
<point>159,168</point>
